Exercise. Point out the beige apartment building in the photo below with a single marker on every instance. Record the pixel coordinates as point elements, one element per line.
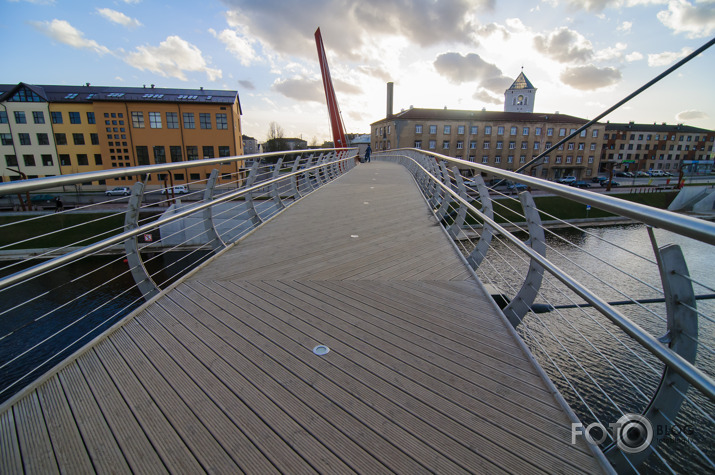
<point>48,130</point>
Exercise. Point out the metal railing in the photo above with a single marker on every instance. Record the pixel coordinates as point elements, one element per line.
<point>626,364</point>
<point>69,275</point>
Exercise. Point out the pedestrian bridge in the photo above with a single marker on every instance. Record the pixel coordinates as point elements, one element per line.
<point>342,329</point>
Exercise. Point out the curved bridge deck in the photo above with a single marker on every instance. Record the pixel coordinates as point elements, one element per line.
<point>218,374</point>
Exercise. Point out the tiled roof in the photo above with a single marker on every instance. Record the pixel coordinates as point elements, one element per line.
<point>483,115</point>
<point>655,128</point>
<point>522,82</point>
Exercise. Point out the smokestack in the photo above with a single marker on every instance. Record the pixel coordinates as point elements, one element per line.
<point>389,99</point>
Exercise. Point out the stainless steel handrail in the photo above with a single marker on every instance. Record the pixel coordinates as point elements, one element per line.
<point>48,182</point>
<point>694,228</point>
<point>92,248</point>
<point>692,374</point>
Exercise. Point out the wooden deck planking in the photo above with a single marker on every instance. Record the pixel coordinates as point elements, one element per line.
<point>218,374</point>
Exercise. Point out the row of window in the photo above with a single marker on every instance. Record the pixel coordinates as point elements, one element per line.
<point>172,120</point>
<point>656,147</point>
<point>523,158</point>
<point>176,153</point>
<point>499,145</point>
<point>686,138</point>
<point>29,160</point>
<point>661,156</point>
<point>500,130</point>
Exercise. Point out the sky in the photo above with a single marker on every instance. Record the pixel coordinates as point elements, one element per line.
<point>583,56</point>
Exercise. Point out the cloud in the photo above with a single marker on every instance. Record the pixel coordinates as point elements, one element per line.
<point>625,26</point>
<point>634,56</point>
<point>471,68</point>
<point>691,115</point>
<point>350,25</point>
<point>172,58</point>
<point>590,77</point>
<point>62,31</point>
<point>301,89</point>
<point>119,18</point>
<point>668,57</point>
<point>564,45</point>
<point>238,46</point>
<point>593,6</point>
<point>247,85</point>
<point>696,21</point>
<point>485,96</point>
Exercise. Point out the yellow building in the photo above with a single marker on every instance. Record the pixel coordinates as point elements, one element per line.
<point>100,128</point>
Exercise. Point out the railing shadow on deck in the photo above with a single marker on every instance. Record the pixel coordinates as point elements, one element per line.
<point>615,322</point>
<point>65,277</point>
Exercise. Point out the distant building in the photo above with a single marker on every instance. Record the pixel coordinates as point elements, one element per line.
<point>634,147</point>
<point>520,96</point>
<point>48,130</point>
<point>250,145</point>
<point>295,143</point>
<point>361,142</point>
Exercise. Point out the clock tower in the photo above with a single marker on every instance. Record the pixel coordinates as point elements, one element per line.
<point>520,96</point>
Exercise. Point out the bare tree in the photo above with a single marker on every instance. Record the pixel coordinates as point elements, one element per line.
<point>275,142</point>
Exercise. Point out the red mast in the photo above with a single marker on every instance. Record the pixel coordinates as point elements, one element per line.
<point>336,120</point>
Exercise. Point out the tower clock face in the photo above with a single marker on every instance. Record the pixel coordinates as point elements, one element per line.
<point>520,99</point>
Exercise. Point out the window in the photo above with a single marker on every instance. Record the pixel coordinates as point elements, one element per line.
<point>192,152</point>
<point>500,144</point>
<point>432,144</point>
<point>512,130</point>
<point>20,117</point>
<point>179,176</point>
<point>418,129</point>
<point>82,159</point>
<point>205,120</point>
<point>485,158</point>
<point>60,139</point>
<point>447,129</point>
<point>500,130</point>
<point>537,145</point>
<point>3,117</point>
<point>445,144</point>
<point>488,130</point>
<point>579,159</point>
<point>525,131</point>
<point>562,132</point>
<point>97,158</point>
<point>497,159</point>
<point>159,154</point>
<point>75,118</point>
<point>524,145</point>
<point>594,133</point>
<point>65,160</point>
<point>90,118</point>
<point>43,139</point>
<point>460,129</point>
<point>460,144</point>
<point>172,120</point>
<point>432,129</point>
<point>570,145</point>
<point>38,117</point>
<point>474,130</point>
<point>473,144</point>
<point>46,160</point>
<point>94,139</point>
<point>510,159</point>
<point>558,159</point>
<point>155,120</point>
<point>142,154</point>
<point>29,160</point>
<point>546,159</point>
<point>189,120</point>
<point>224,151</point>
<point>537,131</point>
<point>24,139</point>
<point>592,146</point>
<point>78,139</point>
<point>175,153</point>
<point>56,117</point>
<point>6,139</point>
<point>486,145</point>
<point>195,176</point>
<point>221,122</point>
<point>138,120</point>
<point>418,144</point>
<point>208,151</point>
<point>11,160</point>
<point>590,159</point>
<point>512,145</point>
<point>522,159</point>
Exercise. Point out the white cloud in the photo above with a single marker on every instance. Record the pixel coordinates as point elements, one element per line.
<point>301,89</point>
<point>564,45</point>
<point>668,57</point>
<point>118,17</point>
<point>239,46</point>
<point>469,68</point>
<point>590,77</point>
<point>696,21</point>
<point>625,26</point>
<point>62,31</point>
<point>691,115</point>
<point>634,56</point>
<point>172,58</point>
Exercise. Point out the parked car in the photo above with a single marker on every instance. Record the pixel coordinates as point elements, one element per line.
<point>598,179</point>
<point>624,174</point>
<point>119,191</point>
<point>516,187</point>
<point>604,183</point>
<point>178,190</point>
<point>567,180</point>
<point>656,173</point>
<point>41,200</point>
<point>641,173</point>
<point>581,184</point>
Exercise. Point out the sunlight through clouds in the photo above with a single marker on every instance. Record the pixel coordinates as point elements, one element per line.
<point>173,57</point>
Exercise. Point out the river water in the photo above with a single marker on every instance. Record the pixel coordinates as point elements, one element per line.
<point>563,339</point>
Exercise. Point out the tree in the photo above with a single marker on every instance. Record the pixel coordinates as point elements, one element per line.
<point>275,142</point>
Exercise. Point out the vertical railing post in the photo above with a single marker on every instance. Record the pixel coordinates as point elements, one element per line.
<point>250,207</point>
<point>212,235</point>
<point>485,237</point>
<point>275,191</point>
<point>145,283</point>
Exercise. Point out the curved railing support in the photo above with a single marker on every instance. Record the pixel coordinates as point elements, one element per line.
<point>275,192</point>
<point>307,183</point>
<point>681,337</point>
<point>212,235</point>
<point>485,237</point>
<point>251,208</point>
<point>294,179</point>
<point>445,199</point>
<point>524,299</point>
<point>456,227</point>
<point>145,283</point>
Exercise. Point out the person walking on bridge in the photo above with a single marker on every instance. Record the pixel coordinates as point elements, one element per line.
<point>368,151</point>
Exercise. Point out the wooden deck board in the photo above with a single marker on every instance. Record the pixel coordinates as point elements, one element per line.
<point>218,374</point>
